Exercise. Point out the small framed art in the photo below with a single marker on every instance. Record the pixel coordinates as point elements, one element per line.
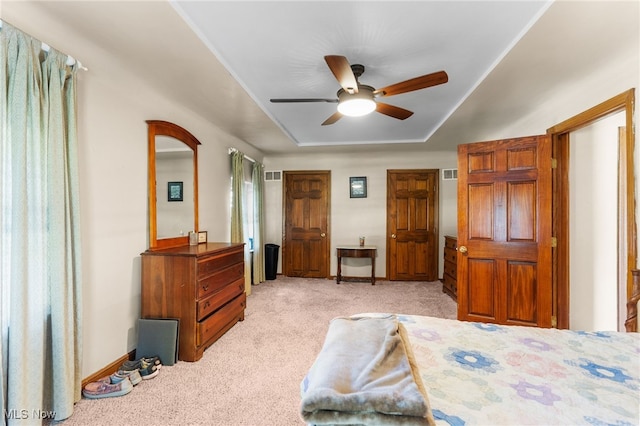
<point>174,190</point>
<point>202,237</point>
<point>358,187</point>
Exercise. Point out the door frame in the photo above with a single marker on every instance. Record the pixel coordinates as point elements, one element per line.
<point>627,232</point>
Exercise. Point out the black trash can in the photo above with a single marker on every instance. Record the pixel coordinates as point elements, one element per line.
<point>271,260</point>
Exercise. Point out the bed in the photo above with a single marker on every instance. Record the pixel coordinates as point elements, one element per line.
<point>479,374</point>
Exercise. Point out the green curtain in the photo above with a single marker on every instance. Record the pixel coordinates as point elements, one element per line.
<point>237,213</point>
<point>237,184</point>
<point>40,302</point>
<point>257,177</point>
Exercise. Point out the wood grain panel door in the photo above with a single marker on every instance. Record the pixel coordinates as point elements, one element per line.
<point>412,225</point>
<point>306,228</point>
<point>504,232</point>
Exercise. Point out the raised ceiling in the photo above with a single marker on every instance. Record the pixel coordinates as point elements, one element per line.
<point>276,50</point>
<point>150,46</point>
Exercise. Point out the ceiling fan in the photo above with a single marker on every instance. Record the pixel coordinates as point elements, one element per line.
<point>355,99</point>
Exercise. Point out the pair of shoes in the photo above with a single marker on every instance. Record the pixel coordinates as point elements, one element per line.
<point>153,360</point>
<point>148,367</point>
<point>101,389</point>
<point>117,377</point>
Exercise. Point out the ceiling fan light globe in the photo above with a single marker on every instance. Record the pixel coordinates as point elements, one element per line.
<point>356,107</point>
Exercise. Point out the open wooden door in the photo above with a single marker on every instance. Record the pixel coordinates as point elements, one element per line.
<point>504,232</point>
<point>306,213</point>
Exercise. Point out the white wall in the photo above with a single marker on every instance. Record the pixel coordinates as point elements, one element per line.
<point>352,217</point>
<point>113,104</point>
<point>113,155</point>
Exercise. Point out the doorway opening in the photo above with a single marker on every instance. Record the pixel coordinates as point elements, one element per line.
<point>625,231</point>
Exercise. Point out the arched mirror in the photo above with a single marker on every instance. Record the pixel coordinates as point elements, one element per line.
<point>173,184</point>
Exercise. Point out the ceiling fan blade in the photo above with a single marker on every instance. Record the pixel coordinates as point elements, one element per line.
<point>290,100</point>
<point>335,117</point>
<point>417,83</point>
<point>341,69</point>
<point>393,111</point>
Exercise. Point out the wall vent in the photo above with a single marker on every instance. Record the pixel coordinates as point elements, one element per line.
<point>272,175</point>
<point>449,174</point>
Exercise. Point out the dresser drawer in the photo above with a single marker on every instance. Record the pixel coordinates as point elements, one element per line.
<point>451,283</point>
<point>212,264</point>
<point>450,255</point>
<point>215,282</point>
<point>451,269</point>
<point>215,300</point>
<point>217,321</point>
<point>450,243</point>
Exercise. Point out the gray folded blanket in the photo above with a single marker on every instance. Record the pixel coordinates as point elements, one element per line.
<point>365,374</point>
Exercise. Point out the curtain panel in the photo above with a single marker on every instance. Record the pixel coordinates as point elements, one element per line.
<point>237,213</point>
<point>257,177</point>
<point>237,181</point>
<point>40,301</point>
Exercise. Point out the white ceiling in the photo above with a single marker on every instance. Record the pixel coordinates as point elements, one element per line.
<point>277,49</point>
<point>276,52</point>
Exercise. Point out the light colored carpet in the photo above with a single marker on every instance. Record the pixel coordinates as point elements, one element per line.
<point>252,375</point>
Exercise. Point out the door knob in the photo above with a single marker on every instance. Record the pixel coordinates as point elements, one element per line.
<point>323,235</point>
<point>462,249</point>
<point>393,236</point>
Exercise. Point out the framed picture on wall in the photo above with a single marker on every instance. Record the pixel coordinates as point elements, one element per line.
<point>174,190</point>
<point>358,187</point>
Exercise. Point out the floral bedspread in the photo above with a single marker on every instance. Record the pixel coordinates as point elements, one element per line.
<point>485,374</point>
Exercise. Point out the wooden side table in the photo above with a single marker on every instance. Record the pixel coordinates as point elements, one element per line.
<point>357,252</point>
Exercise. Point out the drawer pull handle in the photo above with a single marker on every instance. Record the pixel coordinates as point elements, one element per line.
<point>206,305</point>
<point>205,287</point>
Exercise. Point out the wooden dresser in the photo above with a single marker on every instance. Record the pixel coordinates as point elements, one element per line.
<point>450,274</point>
<point>202,286</point>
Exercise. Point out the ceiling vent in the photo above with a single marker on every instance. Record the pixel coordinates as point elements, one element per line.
<point>272,175</point>
<point>449,174</point>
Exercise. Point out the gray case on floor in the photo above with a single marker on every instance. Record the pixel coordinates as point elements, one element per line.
<point>158,337</point>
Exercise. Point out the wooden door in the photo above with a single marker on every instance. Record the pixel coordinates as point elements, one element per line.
<point>504,232</point>
<point>412,225</point>
<point>306,229</point>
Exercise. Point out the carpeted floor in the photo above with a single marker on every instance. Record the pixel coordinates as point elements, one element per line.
<point>251,376</point>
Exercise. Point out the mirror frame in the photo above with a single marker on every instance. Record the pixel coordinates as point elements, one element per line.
<point>165,128</point>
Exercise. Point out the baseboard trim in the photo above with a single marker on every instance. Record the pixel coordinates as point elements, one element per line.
<point>109,369</point>
<point>358,279</point>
